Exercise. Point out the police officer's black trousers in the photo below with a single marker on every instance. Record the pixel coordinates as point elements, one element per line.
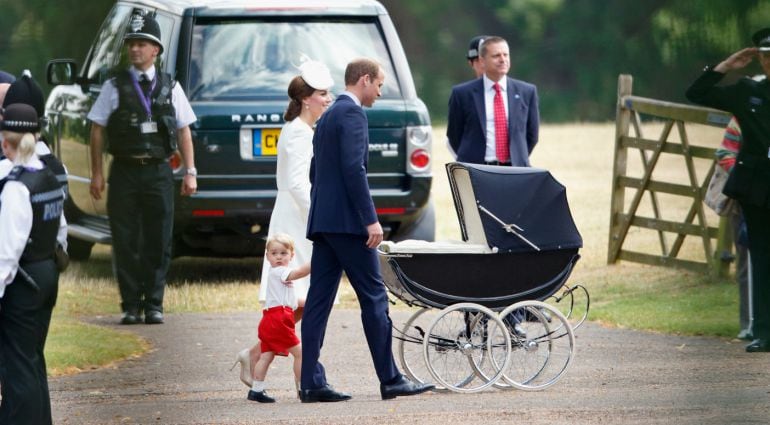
<point>741,270</point>
<point>25,313</point>
<point>758,229</point>
<point>141,208</point>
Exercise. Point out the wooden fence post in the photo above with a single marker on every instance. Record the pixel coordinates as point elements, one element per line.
<point>620,165</point>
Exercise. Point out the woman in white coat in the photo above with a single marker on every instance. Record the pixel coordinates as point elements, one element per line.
<point>309,97</point>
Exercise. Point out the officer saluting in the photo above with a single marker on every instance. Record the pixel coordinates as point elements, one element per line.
<point>146,116</point>
<point>31,221</point>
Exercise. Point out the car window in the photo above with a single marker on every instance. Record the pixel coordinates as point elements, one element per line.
<point>108,44</point>
<point>258,59</point>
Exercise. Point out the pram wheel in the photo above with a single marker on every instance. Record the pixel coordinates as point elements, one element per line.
<point>410,350</point>
<point>540,358</point>
<point>458,344</point>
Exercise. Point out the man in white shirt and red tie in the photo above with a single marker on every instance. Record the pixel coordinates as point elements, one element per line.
<point>494,119</point>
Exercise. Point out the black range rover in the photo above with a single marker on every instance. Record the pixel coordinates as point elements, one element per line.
<point>234,60</point>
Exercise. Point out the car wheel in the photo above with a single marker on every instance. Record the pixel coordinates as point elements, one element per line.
<point>78,249</point>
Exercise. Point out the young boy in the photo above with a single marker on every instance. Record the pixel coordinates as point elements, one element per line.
<point>276,329</point>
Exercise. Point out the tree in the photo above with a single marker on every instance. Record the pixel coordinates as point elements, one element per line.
<point>572,49</point>
<point>39,30</point>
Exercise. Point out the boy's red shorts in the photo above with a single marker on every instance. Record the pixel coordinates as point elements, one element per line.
<point>276,330</point>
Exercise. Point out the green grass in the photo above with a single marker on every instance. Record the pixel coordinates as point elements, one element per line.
<point>74,346</point>
<point>625,295</point>
<point>669,301</point>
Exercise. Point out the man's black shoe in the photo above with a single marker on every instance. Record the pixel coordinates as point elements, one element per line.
<point>323,395</point>
<point>745,335</point>
<point>759,346</point>
<point>130,318</point>
<point>403,386</point>
<point>261,397</point>
<point>153,317</point>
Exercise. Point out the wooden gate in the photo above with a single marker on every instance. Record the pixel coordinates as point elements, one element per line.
<point>624,217</point>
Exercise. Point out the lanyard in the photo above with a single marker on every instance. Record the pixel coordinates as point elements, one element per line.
<point>146,100</point>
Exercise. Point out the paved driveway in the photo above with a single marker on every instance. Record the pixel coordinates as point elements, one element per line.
<point>618,377</point>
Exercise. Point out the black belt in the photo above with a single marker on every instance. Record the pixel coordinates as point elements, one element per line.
<point>497,163</point>
<point>130,160</point>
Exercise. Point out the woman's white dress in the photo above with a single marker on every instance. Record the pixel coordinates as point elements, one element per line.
<point>292,204</point>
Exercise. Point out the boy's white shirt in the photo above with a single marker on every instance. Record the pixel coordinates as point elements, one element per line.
<point>278,293</point>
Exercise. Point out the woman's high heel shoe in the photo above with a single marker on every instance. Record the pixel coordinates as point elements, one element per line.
<point>243,358</point>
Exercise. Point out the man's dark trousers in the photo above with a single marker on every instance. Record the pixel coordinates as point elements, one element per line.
<point>141,208</point>
<point>333,253</point>
<point>758,224</point>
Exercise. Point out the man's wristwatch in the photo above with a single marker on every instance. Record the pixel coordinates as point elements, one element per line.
<point>191,172</point>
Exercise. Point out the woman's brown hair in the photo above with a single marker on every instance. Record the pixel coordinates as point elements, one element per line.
<point>298,90</point>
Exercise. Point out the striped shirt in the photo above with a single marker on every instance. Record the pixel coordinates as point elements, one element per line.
<point>731,144</point>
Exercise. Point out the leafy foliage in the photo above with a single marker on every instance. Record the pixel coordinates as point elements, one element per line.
<point>573,50</point>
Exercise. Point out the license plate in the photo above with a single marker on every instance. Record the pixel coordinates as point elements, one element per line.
<point>265,141</point>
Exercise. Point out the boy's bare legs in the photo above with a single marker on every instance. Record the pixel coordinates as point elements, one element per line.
<point>255,351</point>
<point>257,392</point>
<point>296,352</point>
<point>260,369</point>
<point>254,354</point>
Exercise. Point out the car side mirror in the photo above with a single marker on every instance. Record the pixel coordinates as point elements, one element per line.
<point>61,72</point>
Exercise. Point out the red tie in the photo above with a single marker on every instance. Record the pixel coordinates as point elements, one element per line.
<point>501,127</point>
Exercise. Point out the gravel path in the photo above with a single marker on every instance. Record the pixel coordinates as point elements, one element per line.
<point>618,377</point>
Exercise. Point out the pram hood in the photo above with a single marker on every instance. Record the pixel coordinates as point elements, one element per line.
<point>531,199</point>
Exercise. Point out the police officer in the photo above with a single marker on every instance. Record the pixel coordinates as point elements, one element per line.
<point>146,115</point>
<point>473,55</point>
<point>26,90</point>
<point>31,222</point>
<point>749,180</point>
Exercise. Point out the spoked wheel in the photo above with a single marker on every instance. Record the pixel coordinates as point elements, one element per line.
<point>410,351</point>
<point>487,368</point>
<point>542,346</point>
<point>458,344</point>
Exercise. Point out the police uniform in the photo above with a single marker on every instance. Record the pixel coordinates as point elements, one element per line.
<point>54,164</point>
<point>31,222</point>
<point>749,180</point>
<point>140,194</point>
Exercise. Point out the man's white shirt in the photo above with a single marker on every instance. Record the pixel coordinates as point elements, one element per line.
<point>107,102</point>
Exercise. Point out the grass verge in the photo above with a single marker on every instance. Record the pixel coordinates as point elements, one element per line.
<point>580,156</point>
<point>74,346</point>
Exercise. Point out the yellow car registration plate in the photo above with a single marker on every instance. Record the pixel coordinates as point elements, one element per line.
<point>266,141</point>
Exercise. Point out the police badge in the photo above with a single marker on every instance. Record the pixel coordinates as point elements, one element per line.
<point>137,22</point>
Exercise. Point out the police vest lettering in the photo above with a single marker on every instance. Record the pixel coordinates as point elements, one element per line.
<point>124,127</point>
<point>47,199</point>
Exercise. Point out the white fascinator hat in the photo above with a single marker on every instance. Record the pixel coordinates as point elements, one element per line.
<point>316,74</point>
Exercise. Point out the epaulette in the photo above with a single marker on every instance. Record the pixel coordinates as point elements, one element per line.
<point>13,175</point>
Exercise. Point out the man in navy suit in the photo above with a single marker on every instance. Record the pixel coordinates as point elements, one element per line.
<point>494,119</point>
<point>343,226</point>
